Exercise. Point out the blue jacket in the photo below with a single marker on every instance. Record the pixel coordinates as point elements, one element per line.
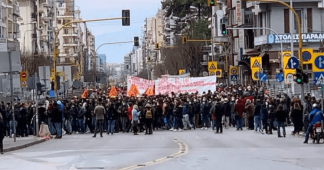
<point>315,115</point>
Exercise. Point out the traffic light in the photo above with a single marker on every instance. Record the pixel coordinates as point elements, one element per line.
<point>225,74</point>
<point>298,77</point>
<point>224,31</point>
<point>184,39</point>
<point>52,85</point>
<point>40,88</point>
<point>126,18</point>
<point>211,2</point>
<point>305,78</point>
<point>157,46</point>
<point>136,43</point>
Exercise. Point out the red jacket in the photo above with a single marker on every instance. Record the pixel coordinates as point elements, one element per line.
<point>129,112</point>
<point>239,108</point>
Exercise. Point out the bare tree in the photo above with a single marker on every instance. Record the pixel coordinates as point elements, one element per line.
<point>30,62</point>
<point>182,56</point>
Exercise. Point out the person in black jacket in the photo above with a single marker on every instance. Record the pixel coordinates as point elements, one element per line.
<point>264,117</point>
<point>57,120</point>
<point>281,118</point>
<point>196,112</point>
<point>2,133</point>
<point>22,121</point>
<point>87,114</point>
<point>111,117</point>
<point>227,113</point>
<point>297,118</point>
<point>219,112</point>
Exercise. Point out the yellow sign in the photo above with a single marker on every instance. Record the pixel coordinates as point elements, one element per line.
<point>318,57</point>
<point>255,62</point>
<point>219,73</point>
<point>23,79</point>
<point>255,74</point>
<point>288,73</point>
<point>182,72</point>
<point>61,73</point>
<point>233,70</point>
<point>212,73</point>
<point>212,66</point>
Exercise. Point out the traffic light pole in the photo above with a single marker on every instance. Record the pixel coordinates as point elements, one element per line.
<point>300,41</point>
<point>56,52</point>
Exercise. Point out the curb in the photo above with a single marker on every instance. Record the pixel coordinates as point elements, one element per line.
<point>23,146</point>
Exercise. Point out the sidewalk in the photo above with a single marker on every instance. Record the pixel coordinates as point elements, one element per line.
<point>21,142</point>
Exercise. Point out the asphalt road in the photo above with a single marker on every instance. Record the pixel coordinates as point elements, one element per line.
<point>206,150</point>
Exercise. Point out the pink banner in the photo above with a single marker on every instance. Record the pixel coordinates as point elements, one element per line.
<point>142,84</point>
<point>184,85</point>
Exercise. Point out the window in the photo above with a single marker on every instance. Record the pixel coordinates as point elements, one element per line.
<point>59,21</point>
<point>299,13</point>
<point>66,31</point>
<point>309,20</point>
<point>286,20</point>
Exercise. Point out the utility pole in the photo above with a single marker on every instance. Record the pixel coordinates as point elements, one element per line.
<point>12,102</point>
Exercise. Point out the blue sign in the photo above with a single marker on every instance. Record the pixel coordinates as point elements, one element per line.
<point>292,63</point>
<point>306,56</point>
<point>280,77</point>
<point>318,78</point>
<point>319,62</point>
<point>263,77</point>
<point>233,77</point>
<point>51,93</point>
<point>286,38</point>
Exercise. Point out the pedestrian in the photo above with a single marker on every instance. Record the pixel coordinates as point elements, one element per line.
<point>227,113</point>
<point>56,115</point>
<point>111,116</point>
<point>257,116</point>
<point>148,119</point>
<point>135,119</point>
<point>99,112</point>
<point>219,113</point>
<point>281,118</point>
<point>264,117</point>
<point>297,118</point>
<point>238,110</point>
<point>250,113</point>
<point>2,133</point>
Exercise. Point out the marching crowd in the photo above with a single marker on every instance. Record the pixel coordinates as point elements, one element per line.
<point>236,105</point>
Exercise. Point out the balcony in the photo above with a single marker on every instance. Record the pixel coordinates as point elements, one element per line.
<point>70,35</point>
<point>70,44</point>
<point>16,10</point>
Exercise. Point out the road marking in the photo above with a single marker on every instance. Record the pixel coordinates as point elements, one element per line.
<point>182,150</point>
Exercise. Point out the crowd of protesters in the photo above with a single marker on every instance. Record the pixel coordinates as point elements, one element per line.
<point>229,106</point>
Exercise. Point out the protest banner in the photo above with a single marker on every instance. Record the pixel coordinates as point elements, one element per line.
<point>141,84</point>
<point>184,85</point>
<point>176,76</point>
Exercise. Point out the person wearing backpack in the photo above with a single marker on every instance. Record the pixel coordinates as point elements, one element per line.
<point>148,119</point>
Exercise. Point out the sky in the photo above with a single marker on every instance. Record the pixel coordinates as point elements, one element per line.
<point>113,31</point>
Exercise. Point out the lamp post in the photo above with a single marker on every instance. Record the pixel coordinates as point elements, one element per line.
<point>56,52</point>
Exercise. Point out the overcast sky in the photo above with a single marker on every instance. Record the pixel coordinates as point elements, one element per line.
<point>113,31</point>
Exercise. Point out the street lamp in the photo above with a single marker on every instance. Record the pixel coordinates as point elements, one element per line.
<point>56,52</point>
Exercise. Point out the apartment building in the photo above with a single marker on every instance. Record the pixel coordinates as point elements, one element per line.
<point>275,20</point>
<point>9,27</point>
